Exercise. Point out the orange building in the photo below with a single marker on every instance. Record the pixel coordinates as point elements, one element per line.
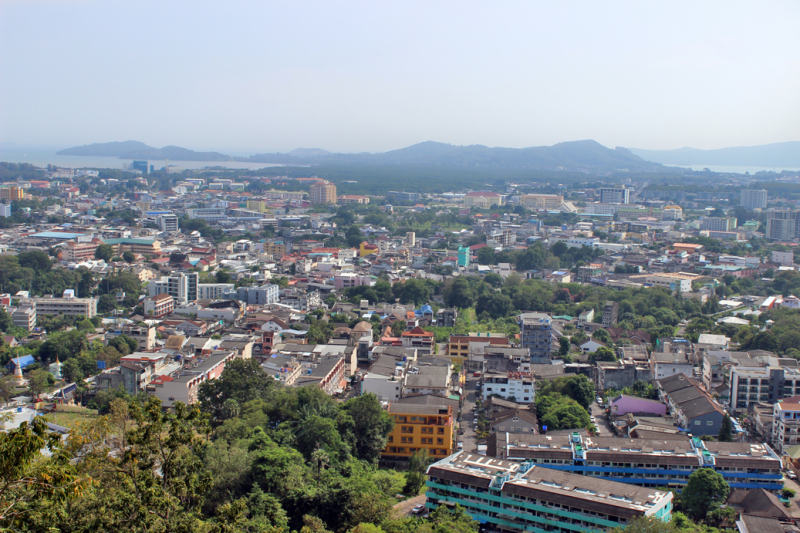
<point>417,427</point>
<point>12,193</point>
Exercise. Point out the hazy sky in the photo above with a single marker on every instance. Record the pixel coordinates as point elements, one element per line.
<point>254,76</point>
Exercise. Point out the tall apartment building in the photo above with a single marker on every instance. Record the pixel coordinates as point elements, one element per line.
<point>168,223</point>
<point>541,202</point>
<point>718,224</point>
<point>786,424</point>
<point>213,291</point>
<point>182,286</point>
<point>12,193</point>
<point>766,384</point>
<point>85,307</point>
<point>418,427</point>
<point>783,224</point>
<point>754,198</point>
<point>323,192</point>
<point>5,210</point>
<point>512,496</point>
<point>610,314</point>
<point>536,335</point>
<point>609,195</point>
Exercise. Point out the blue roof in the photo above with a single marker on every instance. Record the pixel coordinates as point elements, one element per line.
<point>57,235</point>
<point>24,361</point>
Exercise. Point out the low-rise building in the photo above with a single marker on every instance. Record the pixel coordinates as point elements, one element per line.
<point>512,386</point>
<point>418,427</point>
<point>158,305</point>
<point>69,305</point>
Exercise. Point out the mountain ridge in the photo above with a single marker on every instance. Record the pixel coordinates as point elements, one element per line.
<point>784,154</point>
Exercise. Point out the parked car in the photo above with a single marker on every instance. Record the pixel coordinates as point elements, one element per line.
<point>476,375</point>
<point>460,445</point>
<point>599,401</point>
<point>418,509</point>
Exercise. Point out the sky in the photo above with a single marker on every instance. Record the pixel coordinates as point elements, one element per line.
<point>262,76</point>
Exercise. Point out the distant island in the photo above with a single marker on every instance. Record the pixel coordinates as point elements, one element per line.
<point>589,156</point>
<point>786,154</point>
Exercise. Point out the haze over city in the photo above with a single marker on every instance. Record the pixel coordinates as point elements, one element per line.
<point>247,77</point>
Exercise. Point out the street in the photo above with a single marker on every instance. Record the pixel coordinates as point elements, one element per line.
<point>603,425</point>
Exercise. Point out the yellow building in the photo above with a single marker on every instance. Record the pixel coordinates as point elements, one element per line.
<point>541,202</point>
<point>12,193</point>
<point>417,427</point>
<point>365,249</point>
<point>257,205</point>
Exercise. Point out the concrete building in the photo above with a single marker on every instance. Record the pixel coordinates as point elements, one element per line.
<point>209,214</point>
<point>536,335</point>
<point>158,305</point>
<point>663,460</point>
<point>783,258</point>
<point>323,192</point>
<point>144,335</point>
<point>213,291</point>
<point>265,294</point>
<point>691,405</point>
<point>182,286</point>
<point>5,210</point>
<point>350,279</point>
<point>482,199</point>
<point>765,384</point>
<point>754,198</point>
<point>513,496</point>
<point>610,314</point>
<point>69,305</point>
<point>24,316</point>
<point>786,424</point>
<point>168,223</point>
<point>718,224</point>
<point>418,427</point>
<point>541,202</point>
<point>446,317</point>
<point>12,193</point>
<point>783,224</point>
<point>78,251</point>
<point>419,339</point>
<point>184,386</point>
<point>611,195</point>
<point>512,386</point>
<point>458,345</point>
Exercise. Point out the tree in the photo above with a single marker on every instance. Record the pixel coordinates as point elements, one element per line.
<point>705,491</point>
<point>725,429</point>
<point>415,475</point>
<point>486,256</point>
<point>602,354</point>
<point>579,388</point>
<point>104,252</point>
<point>459,293</point>
<point>399,327</point>
<point>222,276</point>
<point>129,256</point>
<point>602,336</point>
<point>7,389</point>
<point>563,346</point>
<point>36,260</point>
<point>493,279</point>
<point>242,380</point>
<point>37,382</point>
<point>371,426</point>
<point>646,524</point>
<point>496,305</point>
<point>446,520</point>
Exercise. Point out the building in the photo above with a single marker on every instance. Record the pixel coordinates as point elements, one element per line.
<point>12,193</point>
<point>144,335</point>
<point>24,316</point>
<point>536,335</point>
<point>350,279</point>
<point>77,251</point>
<point>463,256</point>
<point>511,496</point>
<point>137,246</point>
<point>418,427</point>
<point>786,424</point>
<point>327,374</point>
<point>458,345</point>
<point>718,224</point>
<point>158,305</point>
<point>352,199</point>
<point>610,314</point>
<point>213,291</point>
<point>412,197</point>
<point>446,317</point>
<point>754,198</point>
<point>209,214</point>
<point>420,339</point>
<point>259,206</point>
<point>512,386</point>
<point>783,258</point>
<point>69,305</point>
<point>265,294</point>
<point>691,405</point>
<point>768,384</point>
<point>182,286</point>
<point>541,202</point>
<point>660,460</point>
<point>482,199</point>
<point>184,386</point>
<point>168,223</point>
<point>669,364</point>
<point>783,224</point>
<point>674,281</point>
<point>323,192</point>
<point>140,166</point>
<point>5,210</point>
<point>609,195</point>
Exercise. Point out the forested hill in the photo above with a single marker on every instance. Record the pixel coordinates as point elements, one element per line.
<point>786,154</point>
<point>588,156</point>
<point>139,150</point>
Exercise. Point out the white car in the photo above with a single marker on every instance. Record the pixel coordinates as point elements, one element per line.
<point>599,401</point>
<point>593,419</point>
<point>418,509</point>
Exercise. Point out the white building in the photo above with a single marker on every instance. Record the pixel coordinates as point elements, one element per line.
<point>610,195</point>
<point>168,223</point>
<point>754,198</point>
<point>213,291</point>
<point>514,386</point>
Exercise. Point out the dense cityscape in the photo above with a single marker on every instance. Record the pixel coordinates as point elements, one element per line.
<point>220,350</point>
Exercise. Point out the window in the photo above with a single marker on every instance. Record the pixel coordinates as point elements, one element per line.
<point>710,423</point>
<point>410,429</point>
<point>438,441</point>
<point>696,422</point>
<point>440,431</point>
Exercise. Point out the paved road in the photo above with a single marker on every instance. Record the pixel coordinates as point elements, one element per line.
<point>468,417</point>
<point>603,425</point>
<point>403,509</point>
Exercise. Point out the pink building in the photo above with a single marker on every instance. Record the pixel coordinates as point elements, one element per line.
<point>343,281</point>
<point>622,405</point>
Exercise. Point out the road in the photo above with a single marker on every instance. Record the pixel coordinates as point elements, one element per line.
<point>403,509</point>
<point>468,417</point>
<point>603,425</point>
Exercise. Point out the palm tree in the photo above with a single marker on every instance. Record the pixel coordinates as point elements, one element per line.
<point>321,459</point>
